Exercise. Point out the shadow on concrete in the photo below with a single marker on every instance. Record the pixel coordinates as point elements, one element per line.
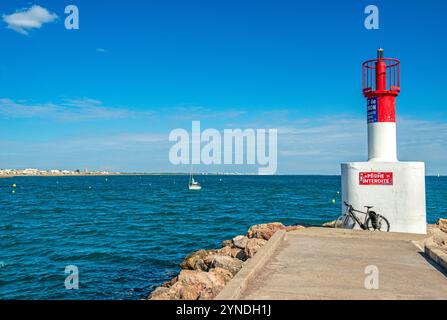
<point>433,263</point>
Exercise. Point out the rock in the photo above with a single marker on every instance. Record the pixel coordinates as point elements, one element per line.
<point>219,278</point>
<point>222,275</point>
<point>208,260</point>
<point>293,228</point>
<point>238,254</point>
<point>439,237</point>
<point>225,251</point>
<point>202,285</point>
<point>226,243</point>
<point>170,282</point>
<point>195,281</point>
<point>442,224</point>
<point>264,231</point>
<point>194,285</point>
<point>233,252</point>
<point>331,224</point>
<point>228,263</point>
<point>188,293</point>
<point>163,293</point>
<point>194,261</point>
<point>253,245</point>
<point>240,242</point>
<point>436,237</point>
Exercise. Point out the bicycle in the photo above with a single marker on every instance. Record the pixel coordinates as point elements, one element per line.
<point>373,221</point>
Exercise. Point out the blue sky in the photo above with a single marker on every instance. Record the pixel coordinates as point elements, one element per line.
<point>107,95</point>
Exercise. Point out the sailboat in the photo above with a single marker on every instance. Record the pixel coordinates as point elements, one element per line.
<point>193,184</point>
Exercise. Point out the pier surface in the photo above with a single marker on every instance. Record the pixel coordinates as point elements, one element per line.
<point>325,263</point>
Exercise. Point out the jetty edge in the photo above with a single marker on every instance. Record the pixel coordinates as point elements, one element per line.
<point>204,273</point>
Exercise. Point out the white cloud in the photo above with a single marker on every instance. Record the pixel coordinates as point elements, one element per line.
<point>27,19</point>
<point>101,50</point>
<point>69,109</point>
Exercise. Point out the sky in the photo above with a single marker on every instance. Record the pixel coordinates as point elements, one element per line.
<point>106,96</point>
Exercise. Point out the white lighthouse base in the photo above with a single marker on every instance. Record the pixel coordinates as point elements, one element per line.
<point>401,201</point>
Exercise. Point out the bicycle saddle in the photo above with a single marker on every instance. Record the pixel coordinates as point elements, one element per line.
<point>369,207</point>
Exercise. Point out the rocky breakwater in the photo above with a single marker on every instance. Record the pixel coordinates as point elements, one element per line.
<point>205,272</point>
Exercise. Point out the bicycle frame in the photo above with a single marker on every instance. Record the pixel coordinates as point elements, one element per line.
<point>350,210</point>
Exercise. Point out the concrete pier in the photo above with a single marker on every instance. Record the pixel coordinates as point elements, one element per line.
<point>325,263</point>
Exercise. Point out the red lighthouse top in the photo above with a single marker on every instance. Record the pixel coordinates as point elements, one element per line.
<point>381,76</point>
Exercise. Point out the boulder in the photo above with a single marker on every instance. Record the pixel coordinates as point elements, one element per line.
<point>219,277</point>
<point>223,276</point>
<point>240,242</point>
<point>238,254</point>
<point>194,261</point>
<point>192,283</point>
<point>195,284</point>
<point>233,252</point>
<point>226,243</point>
<point>228,263</point>
<point>439,237</point>
<point>332,224</point>
<point>225,251</point>
<point>264,231</point>
<point>163,293</point>
<point>293,228</point>
<point>442,224</point>
<point>253,245</point>
<point>188,293</point>
<point>170,282</point>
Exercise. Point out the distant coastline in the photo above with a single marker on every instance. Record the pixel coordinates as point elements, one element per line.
<point>9,173</point>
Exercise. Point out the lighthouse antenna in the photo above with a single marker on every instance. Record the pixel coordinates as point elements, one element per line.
<point>380,53</point>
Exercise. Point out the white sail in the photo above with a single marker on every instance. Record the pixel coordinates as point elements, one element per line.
<point>193,184</point>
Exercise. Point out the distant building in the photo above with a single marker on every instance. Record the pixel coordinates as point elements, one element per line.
<point>30,171</point>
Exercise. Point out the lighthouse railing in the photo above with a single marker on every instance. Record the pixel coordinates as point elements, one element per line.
<point>392,75</point>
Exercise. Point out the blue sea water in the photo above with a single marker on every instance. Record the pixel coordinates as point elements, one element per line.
<point>127,234</point>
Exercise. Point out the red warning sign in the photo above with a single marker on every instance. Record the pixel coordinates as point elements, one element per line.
<point>376,178</point>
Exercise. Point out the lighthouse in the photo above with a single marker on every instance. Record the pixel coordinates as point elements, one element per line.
<point>381,86</point>
<point>395,189</point>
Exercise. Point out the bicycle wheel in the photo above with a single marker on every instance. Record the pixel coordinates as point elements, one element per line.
<point>381,224</point>
<point>348,222</point>
<point>339,222</point>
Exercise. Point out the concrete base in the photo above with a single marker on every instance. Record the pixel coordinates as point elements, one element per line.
<point>402,201</point>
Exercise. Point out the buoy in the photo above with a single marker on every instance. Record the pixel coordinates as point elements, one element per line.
<point>333,200</point>
<point>14,185</point>
<point>338,192</point>
<point>89,187</point>
<point>13,191</point>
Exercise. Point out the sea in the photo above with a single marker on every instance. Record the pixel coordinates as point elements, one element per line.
<point>122,236</point>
